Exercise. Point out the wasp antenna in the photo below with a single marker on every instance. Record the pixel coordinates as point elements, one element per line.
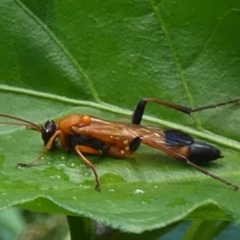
<point>21,122</point>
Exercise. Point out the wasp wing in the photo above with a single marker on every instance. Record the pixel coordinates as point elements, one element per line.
<point>176,137</point>
<point>122,135</point>
<point>116,136</point>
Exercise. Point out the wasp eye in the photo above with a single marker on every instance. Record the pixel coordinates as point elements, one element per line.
<point>49,129</point>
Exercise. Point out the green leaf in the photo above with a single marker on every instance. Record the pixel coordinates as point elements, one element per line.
<point>101,58</point>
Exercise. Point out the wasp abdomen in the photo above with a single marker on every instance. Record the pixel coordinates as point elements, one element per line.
<point>200,152</point>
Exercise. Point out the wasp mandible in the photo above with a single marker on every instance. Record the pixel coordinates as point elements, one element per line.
<point>86,134</point>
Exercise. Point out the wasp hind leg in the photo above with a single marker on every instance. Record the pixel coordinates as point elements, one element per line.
<point>178,154</point>
<point>139,110</point>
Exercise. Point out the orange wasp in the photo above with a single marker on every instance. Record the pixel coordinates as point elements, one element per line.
<point>91,135</point>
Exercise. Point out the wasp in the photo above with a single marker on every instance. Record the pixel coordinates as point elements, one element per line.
<point>86,134</point>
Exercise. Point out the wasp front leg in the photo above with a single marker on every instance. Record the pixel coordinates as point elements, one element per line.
<point>49,145</point>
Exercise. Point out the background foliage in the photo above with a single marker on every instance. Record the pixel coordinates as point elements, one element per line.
<point>101,58</point>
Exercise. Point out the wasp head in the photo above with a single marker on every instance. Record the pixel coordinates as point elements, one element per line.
<point>48,131</point>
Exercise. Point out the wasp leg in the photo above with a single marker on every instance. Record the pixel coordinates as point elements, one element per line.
<point>185,160</point>
<point>48,147</point>
<point>79,149</point>
<point>139,111</point>
<point>215,105</point>
<point>24,165</point>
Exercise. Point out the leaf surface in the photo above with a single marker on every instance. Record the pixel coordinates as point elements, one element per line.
<point>101,58</point>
